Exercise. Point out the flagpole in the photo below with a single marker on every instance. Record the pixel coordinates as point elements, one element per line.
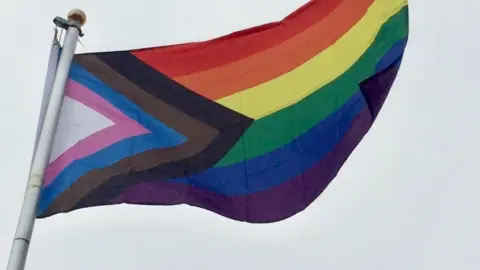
<point>26,221</point>
<point>47,89</point>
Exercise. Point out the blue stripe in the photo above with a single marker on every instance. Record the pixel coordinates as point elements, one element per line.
<point>271,169</point>
<point>161,136</point>
<point>392,55</point>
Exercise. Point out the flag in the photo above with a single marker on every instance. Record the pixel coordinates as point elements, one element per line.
<point>252,126</point>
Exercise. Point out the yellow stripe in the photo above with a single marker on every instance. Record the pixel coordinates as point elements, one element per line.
<point>269,97</point>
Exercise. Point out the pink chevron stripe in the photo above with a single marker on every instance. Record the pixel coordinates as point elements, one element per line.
<point>124,128</point>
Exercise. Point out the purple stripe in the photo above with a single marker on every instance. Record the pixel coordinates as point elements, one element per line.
<point>272,205</point>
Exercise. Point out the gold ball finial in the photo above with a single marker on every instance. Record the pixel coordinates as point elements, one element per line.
<point>77,15</point>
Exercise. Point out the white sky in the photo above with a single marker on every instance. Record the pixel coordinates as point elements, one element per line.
<point>406,199</point>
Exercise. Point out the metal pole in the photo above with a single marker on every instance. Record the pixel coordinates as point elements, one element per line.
<point>26,221</point>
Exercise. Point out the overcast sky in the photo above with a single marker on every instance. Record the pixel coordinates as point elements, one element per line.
<point>407,198</point>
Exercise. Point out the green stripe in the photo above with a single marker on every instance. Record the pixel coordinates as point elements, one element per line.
<point>275,130</point>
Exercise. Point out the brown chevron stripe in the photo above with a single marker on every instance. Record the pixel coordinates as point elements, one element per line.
<point>204,147</point>
<point>199,135</point>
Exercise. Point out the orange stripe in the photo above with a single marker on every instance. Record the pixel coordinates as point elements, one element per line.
<point>186,59</point>
<point>229,79</point>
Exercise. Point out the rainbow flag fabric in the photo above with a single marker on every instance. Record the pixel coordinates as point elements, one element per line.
<point>252,126</point>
